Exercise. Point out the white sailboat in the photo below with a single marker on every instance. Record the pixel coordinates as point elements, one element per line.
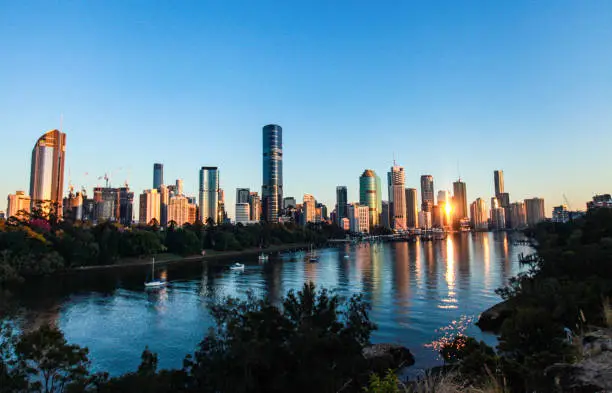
<point>154,283</point>
<point>263,257</point>
<point>313,255</point>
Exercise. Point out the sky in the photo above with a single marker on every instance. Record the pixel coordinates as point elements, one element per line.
<point>447,88</point>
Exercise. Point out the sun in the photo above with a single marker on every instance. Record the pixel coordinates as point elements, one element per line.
<point>448,209</point>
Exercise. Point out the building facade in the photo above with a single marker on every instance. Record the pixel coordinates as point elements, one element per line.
<point>370,195</point>
<point>517,215</point>
<point>309,207</point>
<point>242,195</point>
<point>341,204</point>
<point>255,203</point>
<point>412,209</point>
<point>498,218</point>
<point>149,206</point>
<point>158,175</point>
<point>479,219</point>
<point>272,187</point>
<point>243,213</point>
<point>425,221</point>
<point>396,179</point>
<point>289,203</point>
<point>460,209</point>
<point>47,172</point>
<point>18,205</point>
<point>427,193</point>
<point>560,214</point>
<point>535,211</point>
<point>179,210</point>
<point>385,215</point>
<point>498,178</point>
<point>359,218</point>
<point>209,194</point>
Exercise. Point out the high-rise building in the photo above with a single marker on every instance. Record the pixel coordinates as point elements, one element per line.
<point>309,207</point>
<point>221,213</point>
<point>242,195</point>
<point>444,197</point>
<point>427,192</point>
<point>359,218</point>
<point>341,203</point>
<point>385,214</point>
<point>180,210</point>
<point>560,214</point>
<point>149,206</point>
<point>460,210</point>
<point>370,195</point>
<point>255,203</point>
<point>18,204</point>
<point>164,199</point>
<point>126,205</point>
<point>425,221</point>
<point>397,198</point>
<point>179,187</point>
<point>504,199</point>
<point>47,172</point>
<point>600,201</point>
<point>289,203</point>
<point>158,175</point>
<point>498,218</point>
<point>272,187</point>
<point>535,210</point>
<point>517,215</point>
<point>478,210</point>
<point>73,206</point>
<point>209,194</point>
<point>412,210</point>
<point>498,176</point>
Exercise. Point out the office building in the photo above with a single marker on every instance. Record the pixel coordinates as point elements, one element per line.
<point>322,209</point>
<point>309,208</point>
<point>535,211</point>
<point>397,198</point>
<point>479,219</point>
<point>221,212</point>
<point>149,207</point>
<point>427,193</point>
<point>242,195</point>
<point>504,199</point>
<point>518,216</point>
<point>158,175</point>
<point>498,177</point>
<point>47,172</point>
<point>18,205</point>
<point>255,203</point>
<point>359,218</point>
<point>600,201</point>
<point>341,203</point>
<point>126,205</point>
<point>106,204</point>
<point>560,214</point>
<point>289,203</point>
<point>243,213</point>
<point>385,220</point>
<point>164,199</point>
<point>272,187</point>
<point>370,195</point>
<point>412,210</point>
<point>345,223</point>
<point>179,187</point>
<point>209,194</point>
<point>425,221</point>
<point>460,209</point>
<point>444,197</point>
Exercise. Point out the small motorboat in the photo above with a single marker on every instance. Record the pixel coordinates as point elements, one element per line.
<point>263,257</point>
<point>346,256</point>
<point>237,266</point>
<point>154,283</point>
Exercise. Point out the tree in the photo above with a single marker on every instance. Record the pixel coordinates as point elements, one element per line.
<point>50,363</point>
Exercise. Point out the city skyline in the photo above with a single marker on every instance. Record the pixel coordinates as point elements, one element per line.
<point>124,112</point>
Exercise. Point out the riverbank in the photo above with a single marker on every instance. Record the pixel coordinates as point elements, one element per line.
<point>165,259</point>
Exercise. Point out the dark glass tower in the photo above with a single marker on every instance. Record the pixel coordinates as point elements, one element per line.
<point>158,175</point>
<point>341,203</point>
<point>272,187</point>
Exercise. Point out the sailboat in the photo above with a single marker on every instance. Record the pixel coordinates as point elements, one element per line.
<point>263,257</point>
<point>313,255</point>
<point>154,283</point>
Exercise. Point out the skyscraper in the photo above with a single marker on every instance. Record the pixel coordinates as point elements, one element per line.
<point>126,205</point>
<point>518,215</point>
<point>164,199</point>
<point>370,195</point>
<point>242,195</point>
<point>149,206</point>
<point>272,187</point>
<point>289,203</point>
<point>498,176</point>
<point>427,193</point>
<point>412,209</point>
<point>255,203</point>
<point>18,204</point>
<point>341,203</point>
<point>309,208</point>
<point>479,215</point>
<point>535,210</point>
<point>47,172</point>
<point>158,175</point>
<point>460,200</point>
<point>209,193</point>
<point>397,198</point>
<point>179,187</point>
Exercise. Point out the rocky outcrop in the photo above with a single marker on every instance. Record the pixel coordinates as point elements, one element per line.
<point>383,357</point>
<point>492,319</point>
<point>591,374</point>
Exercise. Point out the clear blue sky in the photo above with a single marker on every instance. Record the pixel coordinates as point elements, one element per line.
<point>446,86</point>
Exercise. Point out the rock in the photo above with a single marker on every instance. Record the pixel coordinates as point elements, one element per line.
<point>593,373</point>
<point>382,357</point>
<point>492,319</point>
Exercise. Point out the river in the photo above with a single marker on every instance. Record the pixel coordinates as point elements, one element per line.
<point>419,293</point>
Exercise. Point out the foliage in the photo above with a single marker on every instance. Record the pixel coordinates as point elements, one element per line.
<point>471,357</point>
<point>387,384</point>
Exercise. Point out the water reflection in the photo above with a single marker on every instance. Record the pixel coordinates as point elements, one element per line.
<point>413,289</point>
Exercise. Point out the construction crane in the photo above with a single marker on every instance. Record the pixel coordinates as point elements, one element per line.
<point>569,207</point>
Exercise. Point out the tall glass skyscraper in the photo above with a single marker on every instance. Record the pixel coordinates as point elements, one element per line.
<point>427,193</point>
<point>209,193</point>
<point>370,195</point>
<point>499,182</point>
<point>397,198</point>
<point>412,210</point>
<point>272,187</point>
<point>460,199</point>
<point>341,203</point>
<point>158,175</point>
<point>47,172</point>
